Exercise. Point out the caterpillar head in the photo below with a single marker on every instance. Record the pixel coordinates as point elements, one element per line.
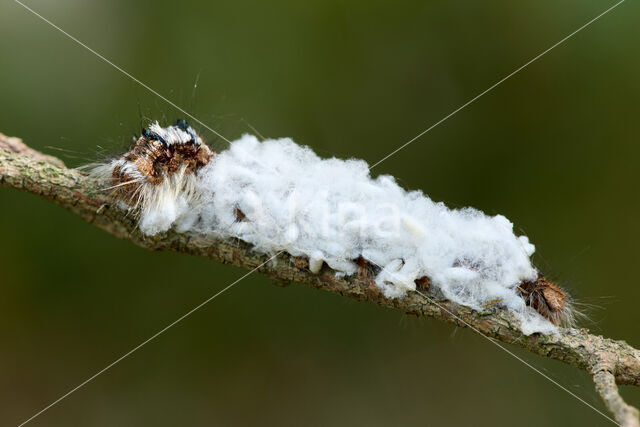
<point>156,179</point>
<point>158,154</point>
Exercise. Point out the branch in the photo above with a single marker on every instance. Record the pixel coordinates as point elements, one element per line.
<point>609,362</point>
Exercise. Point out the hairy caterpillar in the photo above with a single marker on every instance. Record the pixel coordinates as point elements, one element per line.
<point>156,178</point>
<point>277,195</point>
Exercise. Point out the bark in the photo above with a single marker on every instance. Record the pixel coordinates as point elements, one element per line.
<point>609,362</point>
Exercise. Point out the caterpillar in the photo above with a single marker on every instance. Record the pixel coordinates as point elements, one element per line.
<point>277,195</point>
<point>157,175</point>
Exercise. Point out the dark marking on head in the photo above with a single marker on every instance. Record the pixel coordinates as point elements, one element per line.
<point>182,124</point>
<point>154,136</point>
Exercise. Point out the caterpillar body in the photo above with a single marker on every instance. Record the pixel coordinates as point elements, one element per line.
<point>277,195</point>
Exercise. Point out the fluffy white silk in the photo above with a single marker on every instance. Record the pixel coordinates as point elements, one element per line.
<point>332,211</point>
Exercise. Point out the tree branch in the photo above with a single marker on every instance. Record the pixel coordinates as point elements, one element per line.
<point>609,362</point>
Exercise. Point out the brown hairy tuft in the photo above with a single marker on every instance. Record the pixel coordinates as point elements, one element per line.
<point>154,160</point>
<point>549,300</point>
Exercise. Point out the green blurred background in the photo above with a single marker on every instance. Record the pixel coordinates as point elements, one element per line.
<point>554,148</point>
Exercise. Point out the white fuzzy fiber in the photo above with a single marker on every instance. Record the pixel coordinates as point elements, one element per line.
<point>331,210</point>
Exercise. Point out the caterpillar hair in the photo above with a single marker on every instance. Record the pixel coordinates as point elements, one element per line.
<point>550,301</point>
<point>158,174</point>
